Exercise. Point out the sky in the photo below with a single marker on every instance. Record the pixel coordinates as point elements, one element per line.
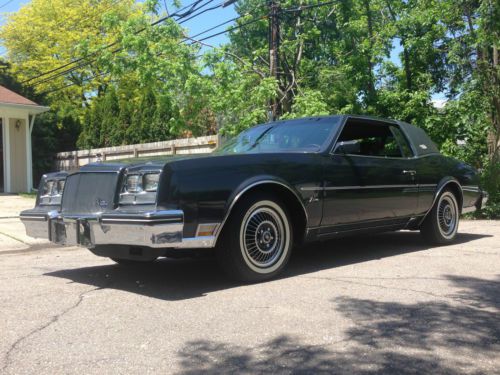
<point>196,25</point>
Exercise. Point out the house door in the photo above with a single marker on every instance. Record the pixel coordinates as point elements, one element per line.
<point>1,158</point>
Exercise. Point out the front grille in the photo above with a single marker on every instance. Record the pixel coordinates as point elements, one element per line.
<point>89,192</point>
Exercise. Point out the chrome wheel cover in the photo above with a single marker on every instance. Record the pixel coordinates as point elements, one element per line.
<point>447,215</point>
<point>264,237</point>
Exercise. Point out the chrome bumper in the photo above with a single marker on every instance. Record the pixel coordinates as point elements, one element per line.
<point>155,229</point>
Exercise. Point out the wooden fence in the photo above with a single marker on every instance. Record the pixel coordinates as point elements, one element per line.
<point>72,160</point>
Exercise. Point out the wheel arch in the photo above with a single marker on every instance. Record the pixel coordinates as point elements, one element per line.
<point>452,184</point>
<point>270,185</point>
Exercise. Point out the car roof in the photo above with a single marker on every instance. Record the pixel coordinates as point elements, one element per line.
<point>326,117</point>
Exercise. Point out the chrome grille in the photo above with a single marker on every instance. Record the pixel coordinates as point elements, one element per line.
<point>89,192</point>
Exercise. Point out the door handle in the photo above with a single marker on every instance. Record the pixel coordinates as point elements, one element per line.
<point>411,172</point>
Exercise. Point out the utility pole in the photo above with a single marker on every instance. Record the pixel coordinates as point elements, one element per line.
<point>274,39</point>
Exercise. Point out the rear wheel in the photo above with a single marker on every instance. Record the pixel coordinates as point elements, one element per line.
<point>441,224</point>
<point>257,241</point>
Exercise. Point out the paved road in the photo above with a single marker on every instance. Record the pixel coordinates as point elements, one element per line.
<point>12,233</point>
<point>381,304</point>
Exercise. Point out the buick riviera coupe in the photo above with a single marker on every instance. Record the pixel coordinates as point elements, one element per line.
<point>274,186</point>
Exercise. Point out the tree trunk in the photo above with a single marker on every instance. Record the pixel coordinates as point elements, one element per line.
<point>406,53</point>
<point>371,78</point>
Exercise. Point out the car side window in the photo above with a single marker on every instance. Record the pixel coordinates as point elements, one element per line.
<point>403,143</point>
<point>372,139</point>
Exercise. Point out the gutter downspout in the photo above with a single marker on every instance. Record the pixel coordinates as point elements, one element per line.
<point>30,156</point>
<point>32,123</point>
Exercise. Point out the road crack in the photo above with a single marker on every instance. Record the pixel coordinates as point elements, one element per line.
<point>14,238</point>
<point>54,319</point>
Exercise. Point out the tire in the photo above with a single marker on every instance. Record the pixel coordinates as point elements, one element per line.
<point>441,224</point>
<point>257,240</point>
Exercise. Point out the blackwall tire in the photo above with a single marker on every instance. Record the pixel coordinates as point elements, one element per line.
<point>441,224</point>
<point>257,241</point>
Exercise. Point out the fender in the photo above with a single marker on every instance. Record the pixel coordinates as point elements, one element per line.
<point>249,184</point>
<point>445,181</point>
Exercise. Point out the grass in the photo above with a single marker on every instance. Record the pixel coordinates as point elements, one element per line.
<point>31,195</point>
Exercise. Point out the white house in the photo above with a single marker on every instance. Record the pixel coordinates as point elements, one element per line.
<point>17,117</point>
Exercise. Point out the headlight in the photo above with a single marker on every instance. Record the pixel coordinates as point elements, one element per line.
<point>150,181</point>
<point>48,188</point>
<point>60,186</point>
<point>133,184</point>
<point>51,192</point>
<point>140,188</point>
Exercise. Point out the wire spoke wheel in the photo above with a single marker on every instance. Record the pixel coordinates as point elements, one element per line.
<point>447,216</point>
<point>264,237</point>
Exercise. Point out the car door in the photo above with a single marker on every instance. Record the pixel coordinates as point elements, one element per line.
<point>369,178</point>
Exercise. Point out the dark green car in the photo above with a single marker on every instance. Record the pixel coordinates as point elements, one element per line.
<point>273,186</point>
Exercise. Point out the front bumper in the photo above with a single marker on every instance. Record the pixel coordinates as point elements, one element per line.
<point>155,229</point>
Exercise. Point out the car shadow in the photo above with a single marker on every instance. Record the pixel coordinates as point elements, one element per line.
<point>389,337</point>
<point>179,279</point>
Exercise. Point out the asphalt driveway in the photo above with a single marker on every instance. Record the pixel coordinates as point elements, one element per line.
<point>378,304</point>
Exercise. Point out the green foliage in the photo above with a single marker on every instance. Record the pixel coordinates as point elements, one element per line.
<point>337,58</point>
<point>308,103</point>
<point>491,183</point>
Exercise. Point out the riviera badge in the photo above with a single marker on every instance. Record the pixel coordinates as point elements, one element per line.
<point>102,203</point>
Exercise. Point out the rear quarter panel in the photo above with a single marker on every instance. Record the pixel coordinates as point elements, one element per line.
<point>435,169</point>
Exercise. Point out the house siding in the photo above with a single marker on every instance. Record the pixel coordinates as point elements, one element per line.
<point>18,156</point>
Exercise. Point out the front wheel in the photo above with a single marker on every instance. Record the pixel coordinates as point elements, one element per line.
<point>441,224</point>
<point>257,241</point>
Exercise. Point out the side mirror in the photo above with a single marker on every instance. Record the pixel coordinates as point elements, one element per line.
<point>347,147</point>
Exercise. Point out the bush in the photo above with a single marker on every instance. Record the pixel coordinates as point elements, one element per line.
<point>490,181</point>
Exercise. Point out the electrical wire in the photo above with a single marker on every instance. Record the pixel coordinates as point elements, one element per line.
<point>185,39</point>
<point>304,7</point>
<point>187,13</point>
<point>7,3</point>
<point>192,7</point>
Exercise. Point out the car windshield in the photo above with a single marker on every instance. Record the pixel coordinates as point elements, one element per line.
<point>296,135</point>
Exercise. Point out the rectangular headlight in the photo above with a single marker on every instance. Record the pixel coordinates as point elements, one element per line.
<point>150,181</point>
<point>133,184</point>
<point>48,187</point>
<point>60,186</point>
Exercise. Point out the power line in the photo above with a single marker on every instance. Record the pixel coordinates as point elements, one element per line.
<point>201,12</point>
<point>217,26</point>
<point>185,39</point>
<point>234,28</point>
<point>7,3</point>
<point>304,7</point>
<point>192,7</point>
<point>85,63</point>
